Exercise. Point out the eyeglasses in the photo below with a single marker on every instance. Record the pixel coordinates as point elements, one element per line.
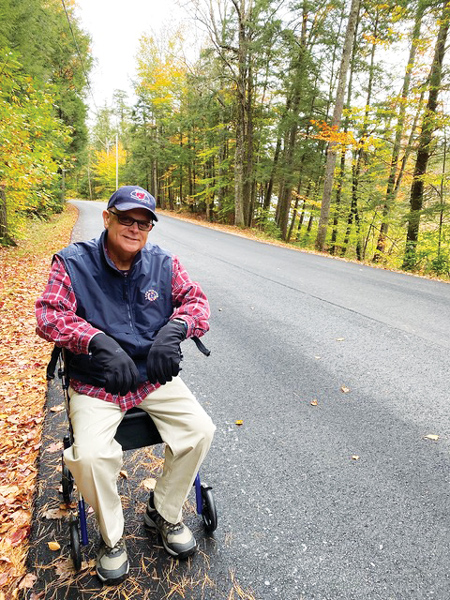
<point>129,222</point>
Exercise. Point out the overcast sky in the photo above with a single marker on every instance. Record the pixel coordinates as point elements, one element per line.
<point>116,27</point>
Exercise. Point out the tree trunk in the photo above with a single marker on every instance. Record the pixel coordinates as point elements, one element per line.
<point>353,215</point>
<point>425,143</point>
<point>360,154</point>
<point>297,200</point>
<point>244,123</point>
<point>300,221</point>
<point>341,177</point>
<point>337,114</point>
<point>268,194</point>
<point>292,110</point>
<point>390,190</point>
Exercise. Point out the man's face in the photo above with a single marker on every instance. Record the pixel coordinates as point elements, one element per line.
<point>125,241</point>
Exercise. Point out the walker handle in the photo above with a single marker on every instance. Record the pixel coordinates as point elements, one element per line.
<point>201,346</point>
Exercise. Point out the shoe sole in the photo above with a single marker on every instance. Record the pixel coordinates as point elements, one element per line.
<point>150,524</point>
<point>115,580</point>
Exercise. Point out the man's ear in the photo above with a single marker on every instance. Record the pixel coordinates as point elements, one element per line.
<point>106,218</point>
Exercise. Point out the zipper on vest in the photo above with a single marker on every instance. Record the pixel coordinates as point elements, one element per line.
<point>126,297</point>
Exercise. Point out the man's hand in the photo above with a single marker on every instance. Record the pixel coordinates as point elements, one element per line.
<point>121,374</point>
<point>163,361</point>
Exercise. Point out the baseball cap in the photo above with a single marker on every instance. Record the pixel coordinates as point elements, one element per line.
<point>133,196</point>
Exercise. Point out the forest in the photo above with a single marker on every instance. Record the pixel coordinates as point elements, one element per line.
<point>322,124</point>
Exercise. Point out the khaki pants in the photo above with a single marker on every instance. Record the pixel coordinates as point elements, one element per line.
<point>95,458</point>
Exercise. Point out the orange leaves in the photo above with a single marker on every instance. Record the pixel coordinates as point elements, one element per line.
<point>23,357</point>
<point>332,134</point>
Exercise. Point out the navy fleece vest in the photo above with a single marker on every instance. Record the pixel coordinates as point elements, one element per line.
<point>130,307</point>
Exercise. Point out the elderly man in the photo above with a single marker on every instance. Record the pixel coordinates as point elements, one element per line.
<point>121,306</point>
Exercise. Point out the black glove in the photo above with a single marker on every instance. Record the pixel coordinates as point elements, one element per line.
<point>120,372</point>
<point>163,361</point>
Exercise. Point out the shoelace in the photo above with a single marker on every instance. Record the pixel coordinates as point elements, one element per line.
<point>117,548</point>
<point>172,527</point>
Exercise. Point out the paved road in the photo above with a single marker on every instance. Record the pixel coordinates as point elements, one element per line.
<point>300,519</point>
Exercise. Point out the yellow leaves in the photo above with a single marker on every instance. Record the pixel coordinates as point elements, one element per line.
<point>431,436</point>
<point>162,70</point>
<point>371,39</point>
<point>239,422</point>
<point>31,138</point>
<point>105,166</point>
<point>314,403</point>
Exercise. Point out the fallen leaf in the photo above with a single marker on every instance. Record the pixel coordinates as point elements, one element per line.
<point>239,422</point>
<point>148,484</point>
<point>28,581</point>
<point>340,339</point>
<point>431,436</point>
<point>314,402</point>
<point>55,513</point>
<point>57,409</point>
<point>18,536</point>
<point>64,568</point>
<point>54,546</point>
<point>355,457</point>
<point>345,389</point>
<point>123,474</point>
<point>55,447</point>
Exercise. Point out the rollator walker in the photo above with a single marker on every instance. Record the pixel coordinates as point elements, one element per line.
<point>137,430</point>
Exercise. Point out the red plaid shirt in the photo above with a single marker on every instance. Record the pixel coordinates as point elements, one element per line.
<point>58,322</point>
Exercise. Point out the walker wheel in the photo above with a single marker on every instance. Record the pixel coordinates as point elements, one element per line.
<point>75,546</point>
<point>209,512</point>
<point>67,483</point>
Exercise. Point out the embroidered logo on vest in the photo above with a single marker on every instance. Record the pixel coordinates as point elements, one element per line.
<point>151,295</point>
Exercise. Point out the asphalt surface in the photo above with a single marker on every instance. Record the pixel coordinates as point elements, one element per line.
<point>322,494</point>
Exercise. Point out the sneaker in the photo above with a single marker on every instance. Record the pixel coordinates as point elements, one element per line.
<point>112,564</point>
<point>177,538</point>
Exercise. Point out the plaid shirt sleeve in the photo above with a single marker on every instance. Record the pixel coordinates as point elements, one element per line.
<point>56,316</point>
<point>189,301</point>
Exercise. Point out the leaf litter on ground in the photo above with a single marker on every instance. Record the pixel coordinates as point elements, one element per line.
<point>24,358</point>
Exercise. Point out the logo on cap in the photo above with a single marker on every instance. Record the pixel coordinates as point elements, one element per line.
<point>139,195</point>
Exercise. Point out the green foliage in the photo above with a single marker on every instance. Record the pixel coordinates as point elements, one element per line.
<point>265,222</point>
<point>181,139</point>
<point>43,65</point>
<point>33,145</point>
